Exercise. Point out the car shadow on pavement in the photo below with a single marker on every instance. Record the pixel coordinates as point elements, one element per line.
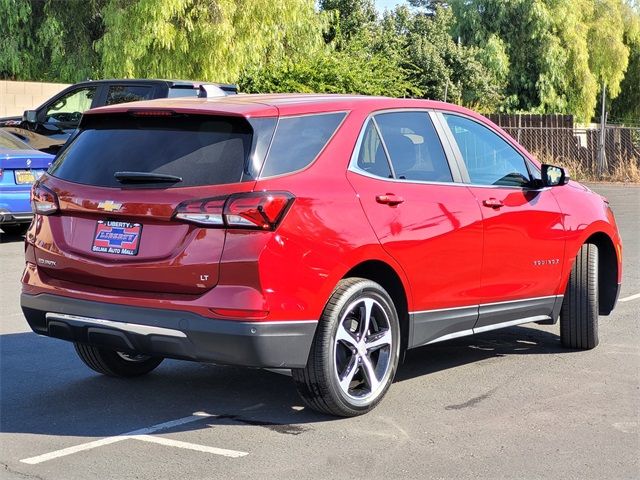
<point>460,351</point>
<point>11,237</point>
<point>46,389</point>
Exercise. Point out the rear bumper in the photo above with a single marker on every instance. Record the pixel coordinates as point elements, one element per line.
<point>9,218</point>
<point>170,333</point>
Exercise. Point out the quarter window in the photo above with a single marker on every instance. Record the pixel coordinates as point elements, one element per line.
<point>490,160</point>
<point>414,147</point>
<point>298,141</point>
<point>372,158</point>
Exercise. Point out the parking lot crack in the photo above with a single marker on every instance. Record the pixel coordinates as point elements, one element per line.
<point>8,469</point>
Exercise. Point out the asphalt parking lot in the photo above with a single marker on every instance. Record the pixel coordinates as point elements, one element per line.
<point>506,404</point>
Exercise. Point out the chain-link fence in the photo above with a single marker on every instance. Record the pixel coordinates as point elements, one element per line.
<point>581,145</point>
<point>555,139</point>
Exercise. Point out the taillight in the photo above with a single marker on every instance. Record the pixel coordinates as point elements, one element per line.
<point>206,211</point>
<point>43,200</point>
<point>255,210</point>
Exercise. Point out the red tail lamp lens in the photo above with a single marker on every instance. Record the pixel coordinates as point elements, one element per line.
<point>43,200</point>
<point>261,210</point>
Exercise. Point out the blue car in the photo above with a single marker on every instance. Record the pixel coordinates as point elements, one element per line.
<point>20,166</point>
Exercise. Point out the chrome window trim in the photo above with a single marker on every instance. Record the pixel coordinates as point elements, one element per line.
<point>312,162</point>
<point>353,162</point>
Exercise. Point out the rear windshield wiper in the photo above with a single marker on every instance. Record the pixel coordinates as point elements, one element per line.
<point>145,177</point>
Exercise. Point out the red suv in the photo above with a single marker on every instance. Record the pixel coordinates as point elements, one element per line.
<point>323,234</point>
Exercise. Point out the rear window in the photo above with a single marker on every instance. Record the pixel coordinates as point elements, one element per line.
<point>298,141</point>
<point>201,150</point>
<point>176,92</point>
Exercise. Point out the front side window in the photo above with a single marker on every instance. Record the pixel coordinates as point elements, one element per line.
<point>414,147</point>
<point>68,109</point>
<point>490,160</point>
<point>127,93</point>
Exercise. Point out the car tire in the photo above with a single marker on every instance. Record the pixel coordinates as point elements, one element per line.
<point>579,313</point>
<point>116,364</point>
<point>355,352</point>
<point>19,229</point>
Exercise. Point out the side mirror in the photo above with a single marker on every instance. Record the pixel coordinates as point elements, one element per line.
<point>553,176</point>
<point>30,116</point>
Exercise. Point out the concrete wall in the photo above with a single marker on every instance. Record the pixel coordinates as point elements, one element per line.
<point>16,97</point>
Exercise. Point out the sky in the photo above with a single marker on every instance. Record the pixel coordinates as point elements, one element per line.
<point>388,4</point>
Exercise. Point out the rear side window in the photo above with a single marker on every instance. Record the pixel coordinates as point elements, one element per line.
<point>298,141</point>
<point>414,147</point>
<point>127,93</point>
<point>175,92</point>
<point>201,150</point>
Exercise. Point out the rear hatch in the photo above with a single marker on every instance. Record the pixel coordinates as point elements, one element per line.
<point>119,185</point>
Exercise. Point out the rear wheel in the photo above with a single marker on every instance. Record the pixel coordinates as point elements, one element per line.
<point>579,314</point>
<point>355,351</point>
<point>114,363</point>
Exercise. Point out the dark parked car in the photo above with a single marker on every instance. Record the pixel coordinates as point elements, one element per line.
<point>49,126</point>
<point>20,166</point>
<point>325,234</point>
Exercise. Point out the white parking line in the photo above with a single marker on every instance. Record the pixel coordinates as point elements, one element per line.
<point>191,446</point>
<point>143,435</point>
<point>630,297</point>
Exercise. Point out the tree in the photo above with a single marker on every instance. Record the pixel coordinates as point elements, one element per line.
<point>354,71</point>
<point>626,107</point>
<point>49,40</point>
<point>348,18</point>
<point>558,51</point>
<point>213,40</point>
<point>439,66</point>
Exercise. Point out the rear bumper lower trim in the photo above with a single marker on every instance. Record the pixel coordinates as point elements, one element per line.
<point>127,327</point>
<point>170,333</point>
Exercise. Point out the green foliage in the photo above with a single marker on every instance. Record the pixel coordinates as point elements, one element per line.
<point>626,107</point>
<point>15,39</point>
<point>440,67</point>
<point>559,51</point>
<point>492,55</point>
<point>203,39</point>
<point>331,71</point>
<point>49,40</point>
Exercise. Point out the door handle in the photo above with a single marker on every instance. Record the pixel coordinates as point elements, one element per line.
<point>493,203</point>
<point>389,199</point>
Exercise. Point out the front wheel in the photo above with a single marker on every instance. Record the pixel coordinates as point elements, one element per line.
<point>355,351</point>
<point>116,364</point>
<point>579,314</point>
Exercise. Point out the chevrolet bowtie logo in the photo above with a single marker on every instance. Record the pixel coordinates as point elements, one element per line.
<point>109,206</point>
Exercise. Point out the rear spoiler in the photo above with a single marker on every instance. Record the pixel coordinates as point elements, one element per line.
<point>208,90</point>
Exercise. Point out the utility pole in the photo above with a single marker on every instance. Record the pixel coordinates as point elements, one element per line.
<point>602,157</point>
